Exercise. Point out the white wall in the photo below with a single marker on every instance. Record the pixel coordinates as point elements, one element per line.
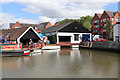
<point>116,31</point>
<point>72,36</point>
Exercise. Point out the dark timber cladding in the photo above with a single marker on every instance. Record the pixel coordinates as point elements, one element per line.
<point>72,27</point>
<point>27,32</point>
<point>29,35</point>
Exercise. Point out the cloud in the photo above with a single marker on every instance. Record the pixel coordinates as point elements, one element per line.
<point>55,10</point>
<point>65,8</point>
<point>6,19</point>
<point>46,19</point>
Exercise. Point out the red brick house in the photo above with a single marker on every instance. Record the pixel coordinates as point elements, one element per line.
<point>100,19</point>
<point>57,23</point>
<point>37,27</point>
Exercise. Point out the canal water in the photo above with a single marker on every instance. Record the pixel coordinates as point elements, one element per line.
<point>64,63</point>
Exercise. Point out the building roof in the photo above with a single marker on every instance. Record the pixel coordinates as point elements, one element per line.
<point>14,33</point>
<point>41,26</point>
<point>60,27</point>
<point>24,25</point>
<point>110,13</point>
<point>56,28</point>
<point>99,15</point>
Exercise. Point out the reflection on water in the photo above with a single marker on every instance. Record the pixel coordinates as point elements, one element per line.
<point>64,63</point>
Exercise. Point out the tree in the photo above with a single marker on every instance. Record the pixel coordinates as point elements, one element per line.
<point>109,29</point>
<point>87,25</point>
<point>65,20</point>
<point>86,21</point>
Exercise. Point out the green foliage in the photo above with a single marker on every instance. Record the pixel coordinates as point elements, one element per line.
<point>87,24</point>
<point>109,30</point>
<point>66,20</point>
<point>52,39</point>
<point>86,21</point>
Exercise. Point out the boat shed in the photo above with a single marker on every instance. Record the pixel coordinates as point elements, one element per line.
<point>69,33</point>
<point>21,35</point>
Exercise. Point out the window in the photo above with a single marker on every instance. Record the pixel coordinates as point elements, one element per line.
<point>101,20</point>
<point>36,28</point>
<point>117,19</point>
<point>104,26</point>
<point>112,23</point>
<point>17,27</point>
<point>76,37</point>
<point>95,21</point>
<point>75,27</point>
<point>96,26</point>
<point>104,20</point>
<point>104,30</point>
<point>48,26</point>
<point>112,19</point>
<point>116,38</point>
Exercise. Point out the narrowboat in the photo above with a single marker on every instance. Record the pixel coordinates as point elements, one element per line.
<point>13,50</point>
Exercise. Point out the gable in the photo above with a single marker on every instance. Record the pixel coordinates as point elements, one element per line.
<point>95,17</point>
<point>48,25</point>
<point>74,27</point>
<point>30,34</point>
<point>14,33</point>
<point>105,15</point>
<point>16,25</point>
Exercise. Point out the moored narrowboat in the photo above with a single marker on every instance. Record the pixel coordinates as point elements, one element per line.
<point>13,50</point>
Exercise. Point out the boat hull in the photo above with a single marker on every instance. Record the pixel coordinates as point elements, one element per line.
<point>16,53</point>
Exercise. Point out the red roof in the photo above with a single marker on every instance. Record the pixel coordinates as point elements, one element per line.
<point>38,31</point>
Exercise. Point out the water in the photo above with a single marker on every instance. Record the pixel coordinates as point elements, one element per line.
<point>65,63</point>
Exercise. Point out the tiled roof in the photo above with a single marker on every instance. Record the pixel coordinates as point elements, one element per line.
<point>14,33</point>
<point>99,15</point>
<point>24,25</point>
<point>110,13</point>
<point>38,31</point>
<point>41,26</point>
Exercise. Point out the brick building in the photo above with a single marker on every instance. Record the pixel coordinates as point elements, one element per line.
<point>37,27</point>
<point>101,19</point>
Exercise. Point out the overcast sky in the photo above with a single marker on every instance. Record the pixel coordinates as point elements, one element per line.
<point>38,11</point>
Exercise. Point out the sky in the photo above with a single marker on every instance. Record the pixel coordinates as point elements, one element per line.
<point>38,11</point>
